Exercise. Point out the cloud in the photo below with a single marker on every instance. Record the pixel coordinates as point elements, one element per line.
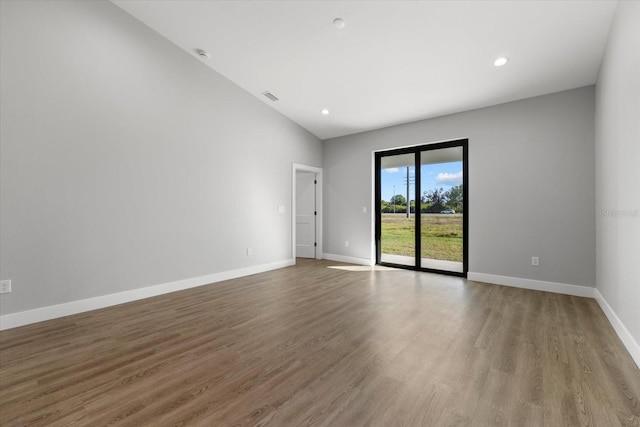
<point>449,178</point>
<point>392,170</point>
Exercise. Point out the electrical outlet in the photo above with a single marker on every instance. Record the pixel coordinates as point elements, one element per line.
<point>249,251</point>
<point>5,286</point>
<point>346,243</point>
<point>535,261</point>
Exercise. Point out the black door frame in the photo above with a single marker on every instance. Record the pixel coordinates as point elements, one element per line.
<point>417,150</point>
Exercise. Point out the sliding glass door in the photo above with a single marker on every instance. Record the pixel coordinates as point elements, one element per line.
<point>421,220</point>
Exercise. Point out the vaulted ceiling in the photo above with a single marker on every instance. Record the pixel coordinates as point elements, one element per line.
<point>393,61</point>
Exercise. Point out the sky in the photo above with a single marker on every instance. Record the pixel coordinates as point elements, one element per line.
<point>440,175</point>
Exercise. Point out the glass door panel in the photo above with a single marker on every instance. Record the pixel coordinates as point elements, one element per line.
<point>397,210</point>
<point>442,209</point>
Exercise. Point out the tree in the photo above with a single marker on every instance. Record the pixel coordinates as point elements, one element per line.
<point>398,199</point>
<point>455,198</point>
<point>436,198</point>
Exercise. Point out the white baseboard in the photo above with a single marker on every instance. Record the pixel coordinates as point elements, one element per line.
<point>627,339</point>
<point>562,288</point>
<point>21,318</point>
<point>14,320</point>
<point>348,259</point>
<point>537,285</point>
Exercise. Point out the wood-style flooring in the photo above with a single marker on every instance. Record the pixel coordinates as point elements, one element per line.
<point>324,343</point>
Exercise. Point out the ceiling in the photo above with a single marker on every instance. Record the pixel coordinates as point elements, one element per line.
<point>394,61</point>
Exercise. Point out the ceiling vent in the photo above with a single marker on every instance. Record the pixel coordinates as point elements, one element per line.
<point>270,96</point>
<point>203,54</point>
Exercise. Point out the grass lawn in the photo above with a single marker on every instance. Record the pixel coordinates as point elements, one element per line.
<point>441,236</point>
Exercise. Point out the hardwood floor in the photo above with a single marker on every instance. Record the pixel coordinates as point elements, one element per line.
<point>324,343</point>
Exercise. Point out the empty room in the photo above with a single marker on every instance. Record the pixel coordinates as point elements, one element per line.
<point>337,213</point>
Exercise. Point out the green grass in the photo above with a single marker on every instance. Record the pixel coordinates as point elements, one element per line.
<point>441,236</point>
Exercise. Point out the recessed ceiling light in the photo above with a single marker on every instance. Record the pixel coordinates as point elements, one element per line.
<point>203,54</point>
<point>339,23</point>
<point>501,61</point>
<point>325,111</point>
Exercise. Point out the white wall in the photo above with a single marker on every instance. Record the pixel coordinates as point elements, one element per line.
<point>126,163</point>
<point>618,173</point>
<point>531,186</point>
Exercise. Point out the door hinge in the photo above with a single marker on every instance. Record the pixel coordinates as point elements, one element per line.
<point>315,212</point>
<point>315,181</point>
<point>315,243</point>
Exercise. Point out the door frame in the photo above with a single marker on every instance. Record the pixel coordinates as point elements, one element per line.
<point>295,167</point>
<point>417,149</point>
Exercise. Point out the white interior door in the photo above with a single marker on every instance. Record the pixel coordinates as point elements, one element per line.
<point>305,214</point>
